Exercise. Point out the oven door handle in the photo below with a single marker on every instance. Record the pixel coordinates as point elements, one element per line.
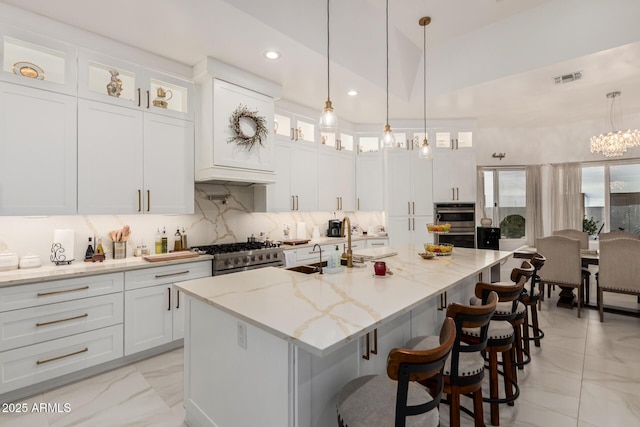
<point>446,211</point>
<point>461,233</point>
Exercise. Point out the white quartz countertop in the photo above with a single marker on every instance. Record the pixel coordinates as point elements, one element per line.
<point>322,312</point>
<point>77,268</point>
<point>333,240</point>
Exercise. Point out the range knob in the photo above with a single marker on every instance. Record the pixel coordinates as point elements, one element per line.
<point>268,256</point>
<point>247,259</point>
<point>227,262</point>
<point>260,257</point>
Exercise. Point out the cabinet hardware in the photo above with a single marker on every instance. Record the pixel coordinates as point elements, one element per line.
<point>413,220</point>
<point>409,208</point>
<point>453,193</point>
<point>169,299</point>
<point>358,199</point>
<point>139,200</point>
<point>159,276</point>
<point>368,349</point>
<point>44,294</point>
<point>293,204</point>
<point>291,134</point>
<point>177,299</point>
<point>139,96</point>
<point>62,320</point>
<point>148,200</point>
<point>413,208</point>
<point>297,203</point>
<point>409,224</point>
<point>338,203</point>
<point>374,350</point>
<point>147,99</point>
<point>40,362</point>
<point>443,301</point>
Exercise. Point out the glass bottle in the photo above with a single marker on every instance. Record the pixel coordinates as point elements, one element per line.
<point>177,241</point>
<point>89,253</point>
<point>164,240</point>
<point>99,249</point>
<point>184,240</point>
<point>158,242</point>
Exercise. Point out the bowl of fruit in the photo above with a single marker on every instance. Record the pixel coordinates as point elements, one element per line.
<point>438,228</point>
<point>443,249</point>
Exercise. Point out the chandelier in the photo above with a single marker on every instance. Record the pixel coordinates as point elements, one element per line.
<point>614,143</point>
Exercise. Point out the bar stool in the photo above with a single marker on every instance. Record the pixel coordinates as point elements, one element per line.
<point>531,298</point>
<point>378,400</point>
<point>464,369</point>
<point>501,336</point>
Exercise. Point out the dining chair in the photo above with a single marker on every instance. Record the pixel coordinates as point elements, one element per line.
<point>397,399</point>
<point>616,234</point>
<point>619,268</point>
<point>563,267</point>
<point>464,370</point>
<point>583,237</point>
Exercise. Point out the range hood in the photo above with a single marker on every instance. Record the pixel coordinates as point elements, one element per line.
<point>228,100</point>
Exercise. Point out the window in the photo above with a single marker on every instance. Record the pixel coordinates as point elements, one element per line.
<point>505,198</point>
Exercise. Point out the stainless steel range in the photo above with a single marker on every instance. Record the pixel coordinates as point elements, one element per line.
<point>234,257</point>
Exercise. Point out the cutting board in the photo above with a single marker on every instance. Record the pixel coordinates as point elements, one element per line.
<point>170,256</point>
<point>374,253</point>
<point>294,242</point>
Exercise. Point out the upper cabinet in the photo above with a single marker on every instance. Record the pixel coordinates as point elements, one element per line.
<point>454,136</point>
<point>110,80</point>
<point>294,128</point>
<point>37,151</point>
<point>37,61</point>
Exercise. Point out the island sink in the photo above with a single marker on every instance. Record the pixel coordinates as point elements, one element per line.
<point>308,268</point>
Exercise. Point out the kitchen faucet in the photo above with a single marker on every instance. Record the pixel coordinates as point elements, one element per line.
<point>346,231</point>
<point>319,247</point>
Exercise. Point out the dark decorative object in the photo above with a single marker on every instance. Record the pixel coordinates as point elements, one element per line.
<point>243,115</point>
<point>57,255</point>
<point>512,226</point>
<point>590,226</point>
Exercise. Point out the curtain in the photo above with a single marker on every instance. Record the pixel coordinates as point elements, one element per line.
<point>534,204</point>
<point>567,201</point>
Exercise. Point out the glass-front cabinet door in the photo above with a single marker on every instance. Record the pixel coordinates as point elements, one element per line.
<point>33,60</point>
<point>292,127</point>
<point>110,80</point>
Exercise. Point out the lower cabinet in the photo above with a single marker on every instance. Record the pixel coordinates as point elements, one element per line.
<point>153,313</point>
<point>376,345</point>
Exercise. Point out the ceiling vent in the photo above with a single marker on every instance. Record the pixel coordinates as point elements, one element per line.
<point>568,78</point>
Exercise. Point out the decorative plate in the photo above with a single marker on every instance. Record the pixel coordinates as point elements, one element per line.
<point>27,69</point>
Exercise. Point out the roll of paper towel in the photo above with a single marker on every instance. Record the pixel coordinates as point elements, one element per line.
<point>63,245</point>
<point>301,230</point>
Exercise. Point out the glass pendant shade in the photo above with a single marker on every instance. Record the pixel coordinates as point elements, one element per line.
<point>328,119</point>
<point>388,138</point>
<point>425,150</point>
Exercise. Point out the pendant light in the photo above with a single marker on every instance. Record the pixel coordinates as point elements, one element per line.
<point>615,143</point>
<point>388,139</point>
<point>425,149</point>
<point>328,119</point>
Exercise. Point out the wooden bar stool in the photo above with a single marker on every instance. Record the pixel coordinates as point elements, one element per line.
<point>464,369</point>
<point>531,298</point>
<point>398,400</point>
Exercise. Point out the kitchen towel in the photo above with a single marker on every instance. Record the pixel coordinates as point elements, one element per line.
<point>301,230</point>
<point>63,245</point>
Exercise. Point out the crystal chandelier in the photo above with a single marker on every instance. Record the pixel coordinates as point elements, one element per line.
<point>614,143</point>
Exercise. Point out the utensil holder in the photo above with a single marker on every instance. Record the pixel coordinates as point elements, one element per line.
<point>119,250</point>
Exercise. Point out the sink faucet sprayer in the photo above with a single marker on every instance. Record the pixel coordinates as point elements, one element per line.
<point>346,231</point>
<point>320,248</point>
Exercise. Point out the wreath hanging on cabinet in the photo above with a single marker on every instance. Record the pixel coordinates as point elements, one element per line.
<point>247,127</point>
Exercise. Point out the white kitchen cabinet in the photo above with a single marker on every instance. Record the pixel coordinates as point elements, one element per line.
<point>454,139</point>
<point>296,186</point>
<point>132,162</point>
<point>454,176</point>
<point>377,243</point>
<point>409,229</point>
<point>153,313</point>
<point>336,181</point>
<point>293,127</point>
<point>392,334</point>
<point>37,61</point>
<point>369,182</point>
<point>139,87</point>
<point>38,143</point>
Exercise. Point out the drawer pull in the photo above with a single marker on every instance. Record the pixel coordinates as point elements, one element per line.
<point>368,350</point>
<point>159,276</point>
<point>45,294</point>
<point>62,320</point>
<point>41,362</point>
<point>374,350</point>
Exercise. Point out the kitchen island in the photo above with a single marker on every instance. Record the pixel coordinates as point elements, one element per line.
<point>272,347</point>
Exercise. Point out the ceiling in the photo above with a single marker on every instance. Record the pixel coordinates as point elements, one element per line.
<point>493,60</point>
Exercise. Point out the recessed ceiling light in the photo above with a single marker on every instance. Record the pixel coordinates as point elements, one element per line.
<point>352,92</point>
<point>272,54</point>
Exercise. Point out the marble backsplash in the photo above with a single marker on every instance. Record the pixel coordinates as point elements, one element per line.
<point>213,222</point>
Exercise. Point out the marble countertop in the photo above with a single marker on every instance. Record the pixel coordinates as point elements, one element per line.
<point>79,268</point>
<point>322,312</point>
<point>329,240</point>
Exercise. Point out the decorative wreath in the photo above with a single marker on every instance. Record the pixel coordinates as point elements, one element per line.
<point>238,136</point>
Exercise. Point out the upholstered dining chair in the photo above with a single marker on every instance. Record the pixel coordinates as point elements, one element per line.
<point>616,234</point>
<point>563,266</point>
<point>583,237</point>
<point>397,399</point>
<point>464,369</point>
<point>619,268</point>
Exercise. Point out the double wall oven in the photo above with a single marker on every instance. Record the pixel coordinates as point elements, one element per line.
<point>462,217</point>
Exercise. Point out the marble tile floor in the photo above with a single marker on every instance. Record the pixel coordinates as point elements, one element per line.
<point>585,374</point>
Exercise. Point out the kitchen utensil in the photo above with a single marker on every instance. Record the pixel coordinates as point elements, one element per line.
<point>8,261</point>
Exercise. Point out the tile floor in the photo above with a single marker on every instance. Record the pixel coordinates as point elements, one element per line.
<point>585,374</point>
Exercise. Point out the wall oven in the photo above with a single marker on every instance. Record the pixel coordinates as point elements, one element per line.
<point>462,217</point>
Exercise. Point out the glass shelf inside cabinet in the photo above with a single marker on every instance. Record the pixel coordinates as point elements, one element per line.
<point>346,142</point>
<point>112,81</point>
<point>282,125</point>
<point>305,132</point>
<point>368,144</point>
<point>443,139</point>
<point>168,96</point>
<point>328,139</point>
<point>33,61</point>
